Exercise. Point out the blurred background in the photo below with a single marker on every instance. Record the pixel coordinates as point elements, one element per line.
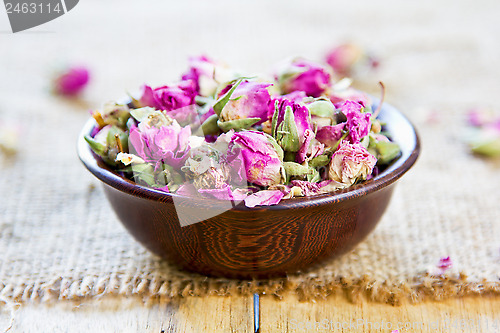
<point>431,52</point>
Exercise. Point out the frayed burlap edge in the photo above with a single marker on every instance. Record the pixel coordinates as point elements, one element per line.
<point>423,287</point>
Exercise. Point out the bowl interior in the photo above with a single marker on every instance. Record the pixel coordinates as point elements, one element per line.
<point>398,126</point>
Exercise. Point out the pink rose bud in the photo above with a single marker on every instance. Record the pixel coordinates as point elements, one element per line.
<point>296,97</point>
<point>310,148</point>
<point>330,135</point>
<point>160,140</point>
<point>343,58</point>
<point>350,163</point>
<point>177,100</point>
<point>289,124</point>
<point>207,75</point>
<point>261,160</point>
<point>338,98</point>
<point>306,76</point>
<point>250,99</point>
<point>71,82</point>
<point>358,123</point>
<point>200,66</point>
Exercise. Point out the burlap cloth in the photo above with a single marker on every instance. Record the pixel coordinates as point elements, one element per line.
<point>59,238</point>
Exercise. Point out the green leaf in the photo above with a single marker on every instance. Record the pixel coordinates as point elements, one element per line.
<point>221,102</point>
<point>237,124</point>
<point>387,151</point>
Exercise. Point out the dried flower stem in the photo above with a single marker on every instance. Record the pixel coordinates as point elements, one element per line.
<point>379,107</point>
<point>98,118</point>
<point>119,143</point>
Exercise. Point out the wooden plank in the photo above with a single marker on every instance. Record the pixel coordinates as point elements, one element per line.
<point>235,314</point>
<point>478,314</point>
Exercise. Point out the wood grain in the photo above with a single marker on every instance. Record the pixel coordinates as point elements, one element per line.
<point>234,314</point>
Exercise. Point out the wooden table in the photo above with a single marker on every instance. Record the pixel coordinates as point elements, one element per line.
<point>235,314</point>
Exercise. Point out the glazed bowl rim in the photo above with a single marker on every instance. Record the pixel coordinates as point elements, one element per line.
<point>388,176</point>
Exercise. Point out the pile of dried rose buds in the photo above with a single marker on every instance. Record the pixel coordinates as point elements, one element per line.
<point>218,135</point>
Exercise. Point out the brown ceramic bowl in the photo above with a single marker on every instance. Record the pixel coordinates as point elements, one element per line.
<point>256,242</point>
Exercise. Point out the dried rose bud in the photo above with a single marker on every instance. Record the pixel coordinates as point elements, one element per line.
<point>72,81</point>
<point>160,142</point>
<point>207,75</point>
<point>330,135</point>
<point>351,162</point>
<point>343,58</point>
<point>249,99</point>
<point>261,160</point>
<point>338,98</point>
<point>310,149</point>
<point>112,114</point>
<point>358,122</point>
<point>309,188</point>
<point>306,76</point>
<point>484,137</point>
<point>289,124</point>
<point>178,101</point>
<point>108,142</point>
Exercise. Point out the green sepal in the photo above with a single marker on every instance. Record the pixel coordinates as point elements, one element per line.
<point>368,109</point>
<point>125,169</point>
<point>144,172</point>
<point>209,126</point>
<point>366,141</point>
<point>221,102</point>
<point>387,151</point>
<point>486,146</point>
<point>289,156</point>
<point>338,117</point>
<point>111,139</point>
<point>134,101</point>
<point>319,161</point>
<point>275,118</point>
<point>142,113</point>
<point>296,169</point>
<point>96,147</point>
<point>237,124</point>
<point>286,133</point>
<point>321,107</point>
<point>314,176</point>
<point>276,146</point>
